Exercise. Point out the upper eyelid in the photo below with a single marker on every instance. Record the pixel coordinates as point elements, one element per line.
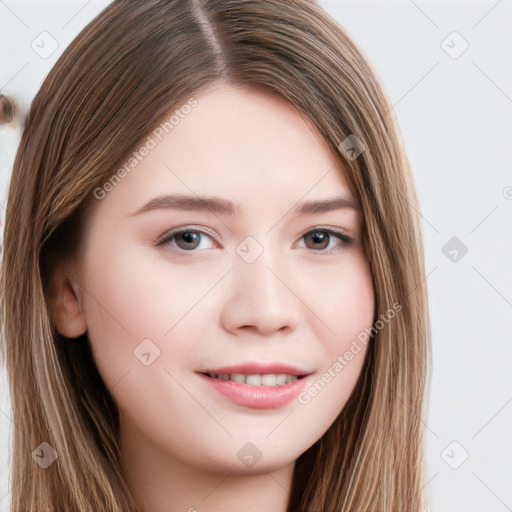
<point>176,231</point>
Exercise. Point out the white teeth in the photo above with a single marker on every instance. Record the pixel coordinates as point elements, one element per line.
<point>253,380</point>
<point>281,379</point>
<point>270,379</point>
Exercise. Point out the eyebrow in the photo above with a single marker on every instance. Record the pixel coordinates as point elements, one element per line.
<point>226,207</point>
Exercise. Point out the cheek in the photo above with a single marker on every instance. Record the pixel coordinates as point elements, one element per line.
<point>353,310</point>
<point>141,298</point>
<point>342,297</point>
<point>346,307</point>
<point>139,324</point>
<point>352,314</point>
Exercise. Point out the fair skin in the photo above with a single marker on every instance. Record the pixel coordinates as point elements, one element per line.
<point>204,306</point>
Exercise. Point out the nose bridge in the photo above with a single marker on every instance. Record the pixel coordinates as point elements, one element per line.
<point>256,275</point>
<point>259,297</point>
<point>260,264</point>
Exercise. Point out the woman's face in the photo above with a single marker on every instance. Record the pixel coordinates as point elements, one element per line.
<point>267,286</point>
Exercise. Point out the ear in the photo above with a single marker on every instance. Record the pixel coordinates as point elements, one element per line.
<point>66,303</point>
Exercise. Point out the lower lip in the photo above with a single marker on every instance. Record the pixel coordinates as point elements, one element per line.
<point>257,397</point>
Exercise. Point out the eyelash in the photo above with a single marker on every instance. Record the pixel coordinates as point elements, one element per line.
<point>169,236</point>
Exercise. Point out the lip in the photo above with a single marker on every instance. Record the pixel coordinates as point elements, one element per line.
<point>257,397</point>
<point>259,368</point>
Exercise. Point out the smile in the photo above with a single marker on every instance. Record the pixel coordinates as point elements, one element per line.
<point>258,385</point>
<point>269,379</point>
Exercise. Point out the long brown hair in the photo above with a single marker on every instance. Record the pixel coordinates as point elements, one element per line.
<point>121,76</point>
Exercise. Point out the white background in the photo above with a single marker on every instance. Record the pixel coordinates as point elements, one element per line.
<point>456,118</point>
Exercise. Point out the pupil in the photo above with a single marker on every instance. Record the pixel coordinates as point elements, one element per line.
<point>190,238</point>
<point>319,237</point>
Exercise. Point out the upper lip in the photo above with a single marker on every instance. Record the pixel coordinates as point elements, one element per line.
<point>259,369</point>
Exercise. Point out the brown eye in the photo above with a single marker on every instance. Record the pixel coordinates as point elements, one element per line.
<point>185,240</point>
<point>188,240</point>
<point>319,239</point>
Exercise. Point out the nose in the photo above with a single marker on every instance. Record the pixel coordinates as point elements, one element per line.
<point>260,299</point>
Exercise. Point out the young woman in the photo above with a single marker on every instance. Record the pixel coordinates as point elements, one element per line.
<point>213,290</point>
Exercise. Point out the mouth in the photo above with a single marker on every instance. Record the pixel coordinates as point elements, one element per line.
<point>257,386</point>
<point>267,379</point>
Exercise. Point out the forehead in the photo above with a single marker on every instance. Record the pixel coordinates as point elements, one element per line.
<point>246,145</point>
<point>252,127</point>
